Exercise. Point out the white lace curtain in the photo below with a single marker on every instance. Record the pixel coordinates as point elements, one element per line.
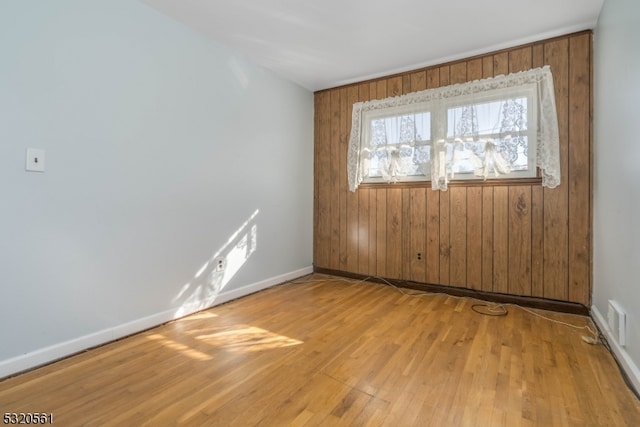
<point>414,134</point>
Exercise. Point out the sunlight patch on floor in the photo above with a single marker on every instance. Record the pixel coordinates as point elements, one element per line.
<point>248,339</point>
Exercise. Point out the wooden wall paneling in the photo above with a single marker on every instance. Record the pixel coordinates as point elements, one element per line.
<point>487,239</point>
<point>501,239</point>
<point>323,158</point>
<point>474,238</point>
<point>543,250</point>
<point>373,210</point>
<point>407,256</point>
<point>373,233</point>
<point>445,242</point>
<point>474,69</point>
<point>416,232</point>
<point>418,81</point>
<point>394,86</point>
<point>474,210</point>
<point>352,205</point>
<point>501,63</point>
<point>334,179</point>
<point>432,236</point>
<point>520,59</point>
<point>487,66</point>
<point>394,233</point>
<point>432,249</point>
<point>579,177</point>
<point>381,233</point>
<point>520,240</point>
<point>417,221</point>
<point>363,206</point>
<point>343,188</point>
<point>556,199</point>
<point>433,78</point>
<point>537,209</point>
<point>458,236</point>
<point>363,230</point>
<point>537,241</point>
<point>458,73</point>
<point>381,208</point>
<point>444,75</point>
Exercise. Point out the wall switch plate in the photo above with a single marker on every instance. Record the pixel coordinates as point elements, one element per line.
<point>35,160</point>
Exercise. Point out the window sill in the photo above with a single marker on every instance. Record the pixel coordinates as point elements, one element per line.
<point>494,182</point>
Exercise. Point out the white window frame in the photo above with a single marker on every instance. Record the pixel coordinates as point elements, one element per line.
<point>535,85</point>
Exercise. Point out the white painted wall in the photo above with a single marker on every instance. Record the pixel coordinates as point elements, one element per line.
<point>160,144</point>
<point>617,171</point>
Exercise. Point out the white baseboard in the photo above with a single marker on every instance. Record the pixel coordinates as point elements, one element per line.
<point>58,351</point>
<point>627,364</point>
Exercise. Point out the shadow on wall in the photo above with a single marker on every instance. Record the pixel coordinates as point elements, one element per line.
<point>202,291</point>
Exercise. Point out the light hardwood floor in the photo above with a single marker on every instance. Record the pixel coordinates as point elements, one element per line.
<point>337,352</point>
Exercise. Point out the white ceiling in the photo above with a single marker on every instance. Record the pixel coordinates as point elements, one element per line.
<point>326,43</point>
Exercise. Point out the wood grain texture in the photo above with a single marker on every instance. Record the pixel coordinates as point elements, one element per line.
<point>330,351</point>
<point>514,237</point>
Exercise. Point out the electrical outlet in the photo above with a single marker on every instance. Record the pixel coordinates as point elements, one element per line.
<point>220,264</point>
<point>419,256</point>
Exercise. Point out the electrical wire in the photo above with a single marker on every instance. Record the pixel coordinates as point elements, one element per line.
<point>486,309</point>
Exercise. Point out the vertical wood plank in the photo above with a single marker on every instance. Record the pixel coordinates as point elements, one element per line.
<point>556,210</point>
<point>323,156</point>
<point>501,63</point>
<point>458,73</point>
<point>474,69</point>
<point>433,236</point>
<point>433,78</point>
<point>520,59</point>
<point>334,196</point>
<point>381,233</point>
<point>351,235</point>
<point>444,75</point>
<point>537,241</point>
<point>501,239</point>
<point>345,130</point>
<point>406,234</point>
<point>487,66</point>
<point>363,230</point>
<point>373,232</point>
<point>445,242</point>
<point>474,238</point>
<point>417,266</point>
<point>381,210</point>
<point>537,210</point>
<point>579,176</point>
<point>520,240</point>
<point>363,205</point>
<point>418,81</point>
<point>394,86</point>
<point>394,233</point>
<point>487,239</point>
<point>458,236</point>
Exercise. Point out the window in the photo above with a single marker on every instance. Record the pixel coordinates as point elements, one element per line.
<point>503,127</point>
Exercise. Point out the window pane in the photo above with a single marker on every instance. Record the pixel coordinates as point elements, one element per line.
<point>401,129</point>
<point>488,118</point>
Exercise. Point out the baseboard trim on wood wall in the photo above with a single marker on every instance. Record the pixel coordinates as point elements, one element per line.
<point>526,301</point>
